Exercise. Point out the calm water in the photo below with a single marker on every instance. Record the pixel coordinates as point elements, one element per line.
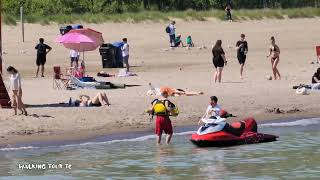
<point>295,156</point>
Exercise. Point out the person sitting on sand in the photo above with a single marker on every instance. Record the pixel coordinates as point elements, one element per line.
<point>100,99</point>
<point>316,80</point>
<point>178,42</point>
<point>275,58</point>
<point>189,42</point>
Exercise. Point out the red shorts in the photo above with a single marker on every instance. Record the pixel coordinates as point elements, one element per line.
<point>163,123</point>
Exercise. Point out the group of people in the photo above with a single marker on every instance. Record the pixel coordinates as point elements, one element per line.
<point>42,50</point>
<point>163,108</point>
<point>219,59</point>
<point>176,40</point>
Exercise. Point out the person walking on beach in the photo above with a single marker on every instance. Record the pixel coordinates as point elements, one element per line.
<point>219,60</point>
<point>275,58</point>
<point>74,57</point>
<point>125,53</point>
<point>163,108</point>
<point>228,12</point>
<point>15,86</point>
<point>171,30</point>
<point>41,55</point>
<point>242,50</point>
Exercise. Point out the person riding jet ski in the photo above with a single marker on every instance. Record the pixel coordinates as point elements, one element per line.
<point>215,117</point>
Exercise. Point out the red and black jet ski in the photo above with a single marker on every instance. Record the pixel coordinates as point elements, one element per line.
<point>224,134</point>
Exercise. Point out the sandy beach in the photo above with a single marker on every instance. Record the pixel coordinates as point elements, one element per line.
<point>180,68</point>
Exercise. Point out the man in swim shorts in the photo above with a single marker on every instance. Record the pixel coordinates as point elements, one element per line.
<point>242,50</point>
<point>161,108</point>
<point>41,55</point>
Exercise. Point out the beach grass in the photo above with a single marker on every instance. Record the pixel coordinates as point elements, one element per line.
<point>157,16</point>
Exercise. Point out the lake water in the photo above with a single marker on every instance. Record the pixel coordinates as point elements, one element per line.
<point>295,156</point>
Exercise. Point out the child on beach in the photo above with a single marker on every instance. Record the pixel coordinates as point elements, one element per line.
<point>42,51</point>
<point>15,86</point>
<point>178,41</point>
<point>275,58</point>
<point>189,42</point>
<point>162,108</point>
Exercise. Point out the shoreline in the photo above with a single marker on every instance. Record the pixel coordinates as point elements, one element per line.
<point>74,138</point>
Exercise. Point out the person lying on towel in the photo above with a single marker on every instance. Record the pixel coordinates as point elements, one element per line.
<point>100,99</point>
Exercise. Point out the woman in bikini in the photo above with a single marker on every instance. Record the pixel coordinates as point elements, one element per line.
<point>275,58</point>
<point>100,99</point>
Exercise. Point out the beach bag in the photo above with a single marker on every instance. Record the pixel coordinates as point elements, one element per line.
<point>168,29</point>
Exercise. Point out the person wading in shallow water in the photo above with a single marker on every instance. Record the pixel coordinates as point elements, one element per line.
<point>163,108</point>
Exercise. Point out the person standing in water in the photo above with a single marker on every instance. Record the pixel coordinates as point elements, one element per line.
<point>41,56</point>
<point>275,58</point>
<point>219,60</point>
<point>163,108</point>
<point>242,50</point>
<point>15,86</point>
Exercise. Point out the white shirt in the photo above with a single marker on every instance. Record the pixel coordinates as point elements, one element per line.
<point>212,111</point>
<point>15,81</point>
<point>125,50</point>
<point>172,29</point>
<point>74,54</point>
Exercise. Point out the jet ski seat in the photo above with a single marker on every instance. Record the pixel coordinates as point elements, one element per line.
<point>235,128</point>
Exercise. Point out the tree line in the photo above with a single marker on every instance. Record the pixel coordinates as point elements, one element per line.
<point>54,7</point>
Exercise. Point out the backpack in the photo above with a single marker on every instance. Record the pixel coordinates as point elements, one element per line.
<point>159,108</point>
<point>168,29</point>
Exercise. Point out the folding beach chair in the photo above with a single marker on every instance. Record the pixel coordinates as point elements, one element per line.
<point>60,81</point>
